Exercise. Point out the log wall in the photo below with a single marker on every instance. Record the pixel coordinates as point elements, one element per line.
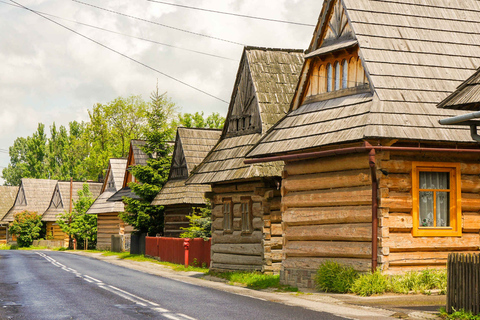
<point>3,234</point>
<point>259,250</point>
<point>399,251</point>
<point>54,232</point>
<point>109,224</point>
<point>175,219</point>
<point>326,207</point>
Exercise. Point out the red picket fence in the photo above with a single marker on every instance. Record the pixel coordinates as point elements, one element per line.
<point>173,250</point>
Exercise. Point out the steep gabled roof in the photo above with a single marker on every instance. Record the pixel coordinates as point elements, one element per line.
<point>34,195</point>
<point>191,147</point>
<point>414,53</point>
<point>60,200</point>
<point>467,95</point>
<point>7,199</point>
<point>263,89</point>
<point>113,182</point>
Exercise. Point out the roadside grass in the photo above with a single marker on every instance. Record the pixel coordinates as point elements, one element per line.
<point>458,315</point>
<point>254,280</point>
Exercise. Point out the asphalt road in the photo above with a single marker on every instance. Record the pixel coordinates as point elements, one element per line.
<point>56,285</point>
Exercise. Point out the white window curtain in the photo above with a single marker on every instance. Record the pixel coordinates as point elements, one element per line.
<point>434,204</point>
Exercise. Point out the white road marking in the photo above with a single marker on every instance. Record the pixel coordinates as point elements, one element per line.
<point>119,292</point>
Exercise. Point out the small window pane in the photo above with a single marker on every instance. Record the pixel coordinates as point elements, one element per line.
<point>337,76</point>
<point>426,209</point>
<point>329,77</point>
<point>443,209</point>
<point>434,180</point>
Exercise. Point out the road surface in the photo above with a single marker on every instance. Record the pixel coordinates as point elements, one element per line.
<point>57,285</point>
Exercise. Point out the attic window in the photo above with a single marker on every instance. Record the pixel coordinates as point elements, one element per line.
<point>241,124</point>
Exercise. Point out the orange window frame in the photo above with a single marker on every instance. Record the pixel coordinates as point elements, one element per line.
<point>455,228</point>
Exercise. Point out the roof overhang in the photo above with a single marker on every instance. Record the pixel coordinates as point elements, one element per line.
<point>332,48</point>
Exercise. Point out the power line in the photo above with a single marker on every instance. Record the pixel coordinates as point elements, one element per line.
<point>234,14</point>
<point>123,55</point>
<point>126,35</point>
<point>160,24</point>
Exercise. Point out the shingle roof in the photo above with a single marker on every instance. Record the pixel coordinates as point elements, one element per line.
<point>60,200</point>
<point>274,74</point>
<point>113,182</point>
<point>7,199</point>
<point>191,147</point>
<point>33,195</point>
<point>415,53</point>
<point>467,95</point>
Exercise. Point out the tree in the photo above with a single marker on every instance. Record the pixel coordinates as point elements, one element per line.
<point>139,213</point>
<point>200,224</point>
<point>77,224</point>
<point>197,120</point>
<point>26,226</point>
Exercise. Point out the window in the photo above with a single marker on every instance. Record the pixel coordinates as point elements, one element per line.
<point>436,199</point>
<point>246,207</point>
<point>337,75</point>
<point>344,74</point>
<point>227,215</point>
<point>329,77</point>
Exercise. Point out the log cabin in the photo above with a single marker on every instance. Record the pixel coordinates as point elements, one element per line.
<point>180,200</point>
<point>371,179</point>
<point>62,200</point>
<point>33,195</point>
<point>7,199</point>
<point>108,222</point>
<point>246,219</point>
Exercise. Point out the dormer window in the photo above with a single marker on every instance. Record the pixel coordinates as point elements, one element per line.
<point>329,77</point>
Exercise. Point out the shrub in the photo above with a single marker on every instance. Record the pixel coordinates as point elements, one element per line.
<point>26,226</point>
<point>334,277</point>
<point>370,283</point>
<point>200,224</point>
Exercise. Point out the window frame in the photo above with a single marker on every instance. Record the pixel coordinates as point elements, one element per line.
<point>246,202</point>
<point>227,228</point>
<point>455,228</point>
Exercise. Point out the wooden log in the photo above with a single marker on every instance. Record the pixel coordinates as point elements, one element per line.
<point>397,202</point>
<point>331,164</point>
<point>274,203</point>
<point>470,202</point>
<point>362,265</point>
<point>237,187</point>
<point>399,222</point>
<point>231,267</point>
<point>328,198</point>
<point>275,216</point>
<point>236,259</point>
<point>257,223</point>
<point>420,258</point>
<point>395,166</point>
<point>334,232</point>
<point>406,242</point>
<point>237,237</point>
<point>236,197</point>
<point>338,249</point>
<point>327,215</point>
<point>276,229</point>
<point>253,249</point>
<point>398,182</point>
<point>471,222</point>
<point>274,255</point>
<point>328,180</point>
<point>274,243</point>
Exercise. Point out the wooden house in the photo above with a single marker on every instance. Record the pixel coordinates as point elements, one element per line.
<point>179,200</point>
<point>7,199</point>
<point>246,226</point>
<point>108,222</point>
<point>371,179</point>
<point>33,195</point>
<point>64,196</point>
<point>136,156</point>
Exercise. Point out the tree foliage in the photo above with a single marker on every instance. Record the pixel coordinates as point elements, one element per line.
<point>77,224</point>
<point>26,226</point>
<point>150,178</point>
<point>197,120</point>
<point>200,223</point>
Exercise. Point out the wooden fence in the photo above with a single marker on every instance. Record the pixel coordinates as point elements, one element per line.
<point>173,250</point>
<point>463,282</point>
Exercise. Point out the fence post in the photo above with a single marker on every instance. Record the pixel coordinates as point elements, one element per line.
<point>186,245</point>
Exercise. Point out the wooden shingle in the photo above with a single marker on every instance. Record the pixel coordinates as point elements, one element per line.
<point>7,199</point>
<point>467,95</point>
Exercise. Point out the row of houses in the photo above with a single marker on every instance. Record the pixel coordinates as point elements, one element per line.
<point>337,152</point>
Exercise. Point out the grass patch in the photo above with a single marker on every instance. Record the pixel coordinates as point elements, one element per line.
<point>254,280</point>
<point>4,246</point>
<point>333,277</point>
<point>460,315</point>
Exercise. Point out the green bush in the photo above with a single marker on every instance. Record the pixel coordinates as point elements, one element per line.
<point>334,277</point>
<point>371,283</point>
<point>26,226</point>
<point>14,247</point>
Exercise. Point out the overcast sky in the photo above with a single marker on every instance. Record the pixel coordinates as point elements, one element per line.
<point>50,74</point>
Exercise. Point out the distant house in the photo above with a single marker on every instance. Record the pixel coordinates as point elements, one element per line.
<point>64,195</point>
<point>33,195</point>
<point>246,229</point>
<point>371,179</point>
<point>108,222</point>
<point>191,147</point>
<point>7,199</point>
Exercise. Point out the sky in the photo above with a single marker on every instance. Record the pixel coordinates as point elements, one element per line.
<point>51,74</point>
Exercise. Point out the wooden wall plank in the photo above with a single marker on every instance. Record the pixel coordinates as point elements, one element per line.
<point>333,232</point>
<point>328,198</point>
<point>338,249</point>
<point>327,215</point>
